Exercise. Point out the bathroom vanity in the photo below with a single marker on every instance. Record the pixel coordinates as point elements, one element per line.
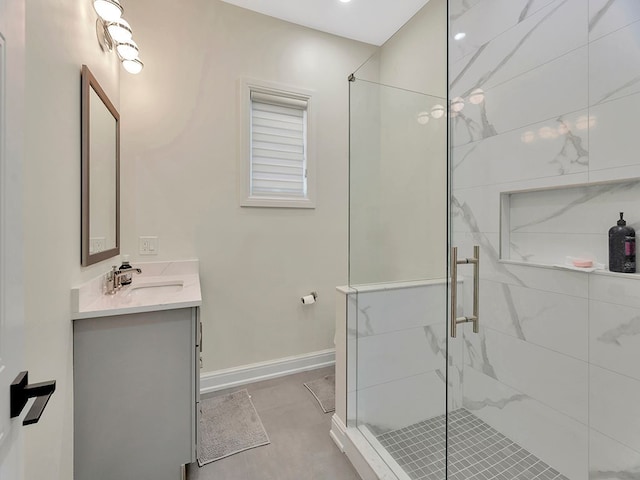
<point>136,357</point>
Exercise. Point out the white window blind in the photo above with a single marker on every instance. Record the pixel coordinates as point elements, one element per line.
<point>278,146</point>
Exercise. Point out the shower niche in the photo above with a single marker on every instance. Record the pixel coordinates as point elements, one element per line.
<point>545,226</point>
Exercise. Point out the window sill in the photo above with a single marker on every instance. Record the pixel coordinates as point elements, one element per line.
<point>277,203</point>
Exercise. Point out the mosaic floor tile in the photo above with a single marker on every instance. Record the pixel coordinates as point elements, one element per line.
<point>476,451</point>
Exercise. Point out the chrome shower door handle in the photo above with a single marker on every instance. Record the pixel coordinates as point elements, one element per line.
<point>475,261</point>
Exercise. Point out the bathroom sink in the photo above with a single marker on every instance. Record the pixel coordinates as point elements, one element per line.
<point>155,289</point>
<point>160,286</point>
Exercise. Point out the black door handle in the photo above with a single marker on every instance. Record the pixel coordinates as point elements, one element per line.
<point>21,392</point>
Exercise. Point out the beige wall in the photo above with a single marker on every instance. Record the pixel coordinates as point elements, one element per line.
<point>398,165</point>
<point>414,156</point>
<point>415,58</point>
<point>60,38</point>
<point>180,131</point>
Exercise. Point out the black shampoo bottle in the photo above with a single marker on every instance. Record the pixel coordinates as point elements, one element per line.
<point>622,251</point>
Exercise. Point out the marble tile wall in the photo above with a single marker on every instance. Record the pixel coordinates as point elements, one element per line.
<point>397,355</point>
<point>555,365</point>
<point>546,226</point>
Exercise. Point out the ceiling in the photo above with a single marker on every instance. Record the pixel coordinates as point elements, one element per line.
<point>370,21</point>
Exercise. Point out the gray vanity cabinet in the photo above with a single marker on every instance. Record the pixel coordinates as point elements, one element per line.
<point>136,393</point>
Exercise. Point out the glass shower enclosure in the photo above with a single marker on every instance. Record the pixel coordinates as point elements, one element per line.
<point>435,392</point>
<point>472,206</point>
<point>397,336</point>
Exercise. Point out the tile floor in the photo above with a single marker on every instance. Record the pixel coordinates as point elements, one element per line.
<point>476,451</point>
<point>300,447</point>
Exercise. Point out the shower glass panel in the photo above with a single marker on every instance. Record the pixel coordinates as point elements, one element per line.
<point>520,122</point>
<point>397,309</point>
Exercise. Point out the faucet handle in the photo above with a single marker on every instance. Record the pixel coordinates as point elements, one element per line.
<point>110,273</point>
<point>110,281</point>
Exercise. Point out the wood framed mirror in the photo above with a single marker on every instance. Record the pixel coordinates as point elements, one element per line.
<point>100,173</point>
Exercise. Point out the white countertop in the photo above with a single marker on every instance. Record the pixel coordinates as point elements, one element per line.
<point>179,282</point>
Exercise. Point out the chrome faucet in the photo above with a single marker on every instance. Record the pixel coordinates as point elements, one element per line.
<point>113,279</point>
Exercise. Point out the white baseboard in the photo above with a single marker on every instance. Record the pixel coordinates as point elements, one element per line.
<point>234,377</point>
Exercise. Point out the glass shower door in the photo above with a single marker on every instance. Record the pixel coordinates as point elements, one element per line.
<point>397,345</point>
<point>520,134</point>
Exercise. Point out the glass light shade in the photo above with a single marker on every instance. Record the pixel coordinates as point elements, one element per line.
<point>108,10</point>
<point>120,31</point>
<point>437,111</point>
<point>133,66</point>
<point>128,50</point>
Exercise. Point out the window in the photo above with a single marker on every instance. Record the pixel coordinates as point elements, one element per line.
<point>276,160</point>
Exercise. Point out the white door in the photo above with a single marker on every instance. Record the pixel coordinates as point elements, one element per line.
<point>12,361</point>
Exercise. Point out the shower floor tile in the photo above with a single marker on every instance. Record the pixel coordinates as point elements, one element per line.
<point>476,451</point>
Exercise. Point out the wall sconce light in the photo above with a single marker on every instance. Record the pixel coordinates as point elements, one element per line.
<point>120,30</point>
<point>113,30</point>
<point>128,50</point>
<point>108,10</point>
<point>133,66</point>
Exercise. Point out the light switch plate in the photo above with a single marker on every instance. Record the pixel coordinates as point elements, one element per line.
<point>148,245</point>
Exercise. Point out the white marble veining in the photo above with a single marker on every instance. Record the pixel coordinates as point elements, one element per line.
<point>90,301</point>
<point>413,399</point>
<point>613,404</point>
<point>546,226</point>
<point>457,8</point>
<point>614,76</point>
<point>611,460</point>
<point>617,289</point>
<point>613,136</point>
<point>614,337</point>
<point>563,210</point>
<point>606,16</point>
<point>407,305</point>
<point>555,364</point>
<point>532,276</point>
<point>548,91</point>
<point>547,433</point>
<point>397,341</point>
<point>482,25</point>
<point>557,380</point>
<point>387,357</point>
<point>478,208</point>
<point>553,147</point>
<point>554,30</point>
<point>553,248</point>
<point>548,319</point>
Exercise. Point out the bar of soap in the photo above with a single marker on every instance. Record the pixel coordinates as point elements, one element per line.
<point>582,262</point>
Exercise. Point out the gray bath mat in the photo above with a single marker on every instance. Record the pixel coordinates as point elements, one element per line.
<point>324,389</point>
<point>229,424</point>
